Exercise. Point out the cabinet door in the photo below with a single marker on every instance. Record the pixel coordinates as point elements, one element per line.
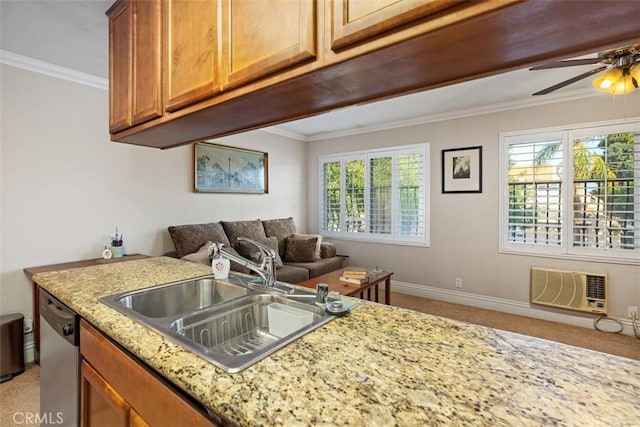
<point>356,20</point>
<point>134,63</point>
<point>120,38</point>
<point>101,404</point>
<point>192,52</point>
<point>147,51</point>
<point>263,37</point>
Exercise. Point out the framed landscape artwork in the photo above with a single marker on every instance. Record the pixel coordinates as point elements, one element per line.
<point>222,169</point>
<point>462,170</point>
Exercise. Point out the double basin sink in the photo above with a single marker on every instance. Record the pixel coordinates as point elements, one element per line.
<point>233,323</point>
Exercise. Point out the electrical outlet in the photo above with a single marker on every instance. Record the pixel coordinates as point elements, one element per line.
<point>632,311</point>
<point>458,282</point>
<point>28,326</point>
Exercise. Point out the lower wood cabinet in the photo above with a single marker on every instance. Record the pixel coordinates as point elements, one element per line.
<point>102,405</point>
<point>118,390</point>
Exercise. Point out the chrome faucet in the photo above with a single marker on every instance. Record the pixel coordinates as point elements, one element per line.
<point>266,269</point>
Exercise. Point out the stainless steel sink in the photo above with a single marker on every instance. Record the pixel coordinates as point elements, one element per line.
<point>231,323</point>
<point>179,298</point>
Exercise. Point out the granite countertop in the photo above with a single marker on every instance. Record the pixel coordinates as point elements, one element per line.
<point>378,366</point>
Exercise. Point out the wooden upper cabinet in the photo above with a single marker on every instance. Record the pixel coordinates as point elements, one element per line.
<point>263,37</point>
<point>120,53</point>
<point>192,60</point>
<point>134,63</point>
<point>354,21</point>
<point>147,61</point>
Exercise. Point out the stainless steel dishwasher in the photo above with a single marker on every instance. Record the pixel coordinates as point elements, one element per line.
<point>59,363</point>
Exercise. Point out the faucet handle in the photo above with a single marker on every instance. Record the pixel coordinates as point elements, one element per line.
<point>214,250</point>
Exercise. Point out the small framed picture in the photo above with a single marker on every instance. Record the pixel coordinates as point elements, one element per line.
<point>462,170</point>
<point>222,169</point>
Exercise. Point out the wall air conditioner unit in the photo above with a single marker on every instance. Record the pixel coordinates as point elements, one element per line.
<point>569,289</point>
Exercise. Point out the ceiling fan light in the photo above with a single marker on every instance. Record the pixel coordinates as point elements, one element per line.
<point>608,81</point>
<point>623,85</point>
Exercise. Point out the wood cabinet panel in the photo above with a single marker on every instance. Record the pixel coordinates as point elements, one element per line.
<point>154,400</point>
<point>192,59</point>
<point>263,37</point>
<point>101,404</point>
<point>147,54</point>
<point>120,20</point>
<point>356,20</point>
<point>134,63</point>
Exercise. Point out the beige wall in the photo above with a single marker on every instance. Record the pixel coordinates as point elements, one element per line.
<point>64,187</point>
<point>464,227</point>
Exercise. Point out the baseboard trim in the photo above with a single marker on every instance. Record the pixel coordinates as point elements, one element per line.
<point>503,305</point>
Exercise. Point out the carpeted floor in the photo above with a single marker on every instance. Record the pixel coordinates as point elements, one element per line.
<point>20,398</point>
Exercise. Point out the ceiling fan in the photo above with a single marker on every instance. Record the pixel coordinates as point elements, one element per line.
<point>623,75</point>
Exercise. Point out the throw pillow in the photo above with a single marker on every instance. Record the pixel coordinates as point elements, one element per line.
<point>189,238</point>
<point>201,256</point>
<point>316,253</point>
<point>280,228</point>
<point>251,252</point>
<point>251,229</point>
<point>300,249</point>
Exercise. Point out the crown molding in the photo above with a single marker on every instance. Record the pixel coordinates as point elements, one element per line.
<point>42,67</point>
<point>37,66</point>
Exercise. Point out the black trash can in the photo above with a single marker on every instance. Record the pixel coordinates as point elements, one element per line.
<point>11,346</point>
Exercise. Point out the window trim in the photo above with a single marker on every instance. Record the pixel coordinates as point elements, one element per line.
<point>566,250</point>
<point>366,155</point>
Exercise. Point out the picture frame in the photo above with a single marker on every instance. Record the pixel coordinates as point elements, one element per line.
<point>223,169</point>
<point>462,170</point>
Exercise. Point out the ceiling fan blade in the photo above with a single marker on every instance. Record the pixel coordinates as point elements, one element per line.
<point>571,63</point>
<point>571,80</point>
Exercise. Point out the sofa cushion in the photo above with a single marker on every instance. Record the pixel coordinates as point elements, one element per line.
<point>300,249</point>
<point>250,229</point>
<point>280,228</point>
<point>319,267</point>
<point>251,252</point>
<point>189,238</point>
<point>327,250</point>
<point>292,274</point>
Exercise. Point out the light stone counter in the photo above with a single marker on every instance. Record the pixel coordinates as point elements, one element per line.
<point>379,366</point>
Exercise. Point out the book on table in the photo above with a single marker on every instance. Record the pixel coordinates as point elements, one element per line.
<point>357,280</point>
<point>354,274</point>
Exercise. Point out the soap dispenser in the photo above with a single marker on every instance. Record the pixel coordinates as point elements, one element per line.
<point>220,265</point>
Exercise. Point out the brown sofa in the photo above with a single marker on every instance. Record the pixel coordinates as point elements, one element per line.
<point>301,256</point>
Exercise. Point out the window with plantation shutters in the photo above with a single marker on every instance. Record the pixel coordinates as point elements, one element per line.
<point>378,195</point>
<point>572,192</point>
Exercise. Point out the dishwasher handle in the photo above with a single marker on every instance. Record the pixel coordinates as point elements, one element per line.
<point>62,319</point>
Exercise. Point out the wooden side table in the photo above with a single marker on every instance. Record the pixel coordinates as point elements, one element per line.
<point>30,271</point>
<point>351,289</point>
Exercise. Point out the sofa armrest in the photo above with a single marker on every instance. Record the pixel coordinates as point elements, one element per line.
<point>327,250</point>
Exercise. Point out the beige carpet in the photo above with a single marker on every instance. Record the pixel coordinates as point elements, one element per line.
<point>19,397</point>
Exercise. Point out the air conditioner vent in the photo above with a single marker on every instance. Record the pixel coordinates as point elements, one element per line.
<point>569,289</point>
<point>596,287</point>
